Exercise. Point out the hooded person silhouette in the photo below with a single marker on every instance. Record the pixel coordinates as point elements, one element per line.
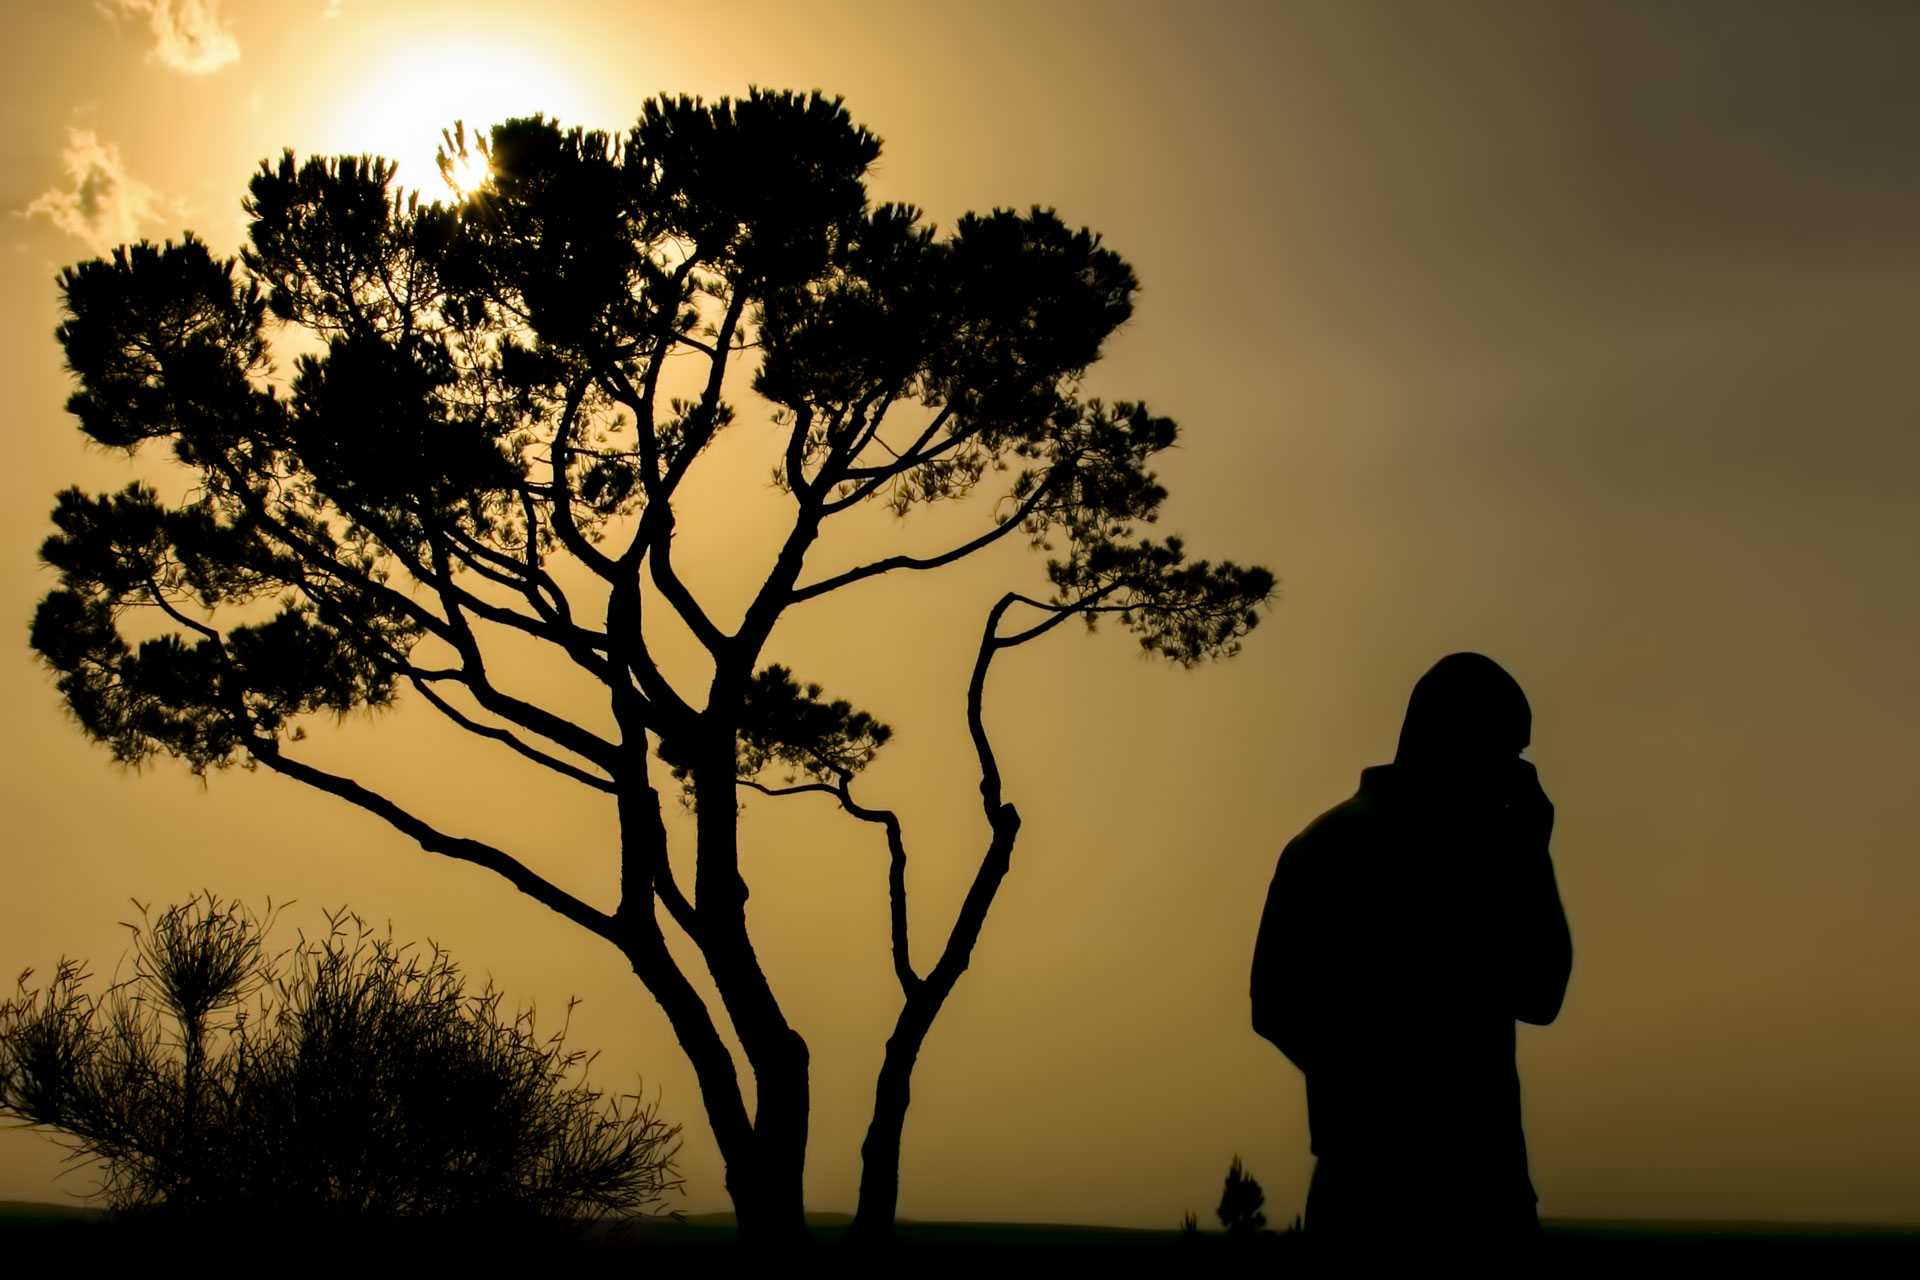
<point>1405,931</point>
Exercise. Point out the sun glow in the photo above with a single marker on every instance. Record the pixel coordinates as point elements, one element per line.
<point>465,173</point>
<point>411,97</point>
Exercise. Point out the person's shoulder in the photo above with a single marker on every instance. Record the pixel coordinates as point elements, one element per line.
<point>1338,826</point>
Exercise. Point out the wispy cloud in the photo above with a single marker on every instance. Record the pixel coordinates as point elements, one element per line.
<point>187,34</point>
<point>101,202</point>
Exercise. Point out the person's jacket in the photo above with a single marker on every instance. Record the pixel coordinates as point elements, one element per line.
<point>1404,932</point>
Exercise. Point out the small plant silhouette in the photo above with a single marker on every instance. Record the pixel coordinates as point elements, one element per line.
<point>1240,1203</point>
<point>367,1083</point>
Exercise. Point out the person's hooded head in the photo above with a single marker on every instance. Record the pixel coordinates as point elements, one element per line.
<point>1467,715</point>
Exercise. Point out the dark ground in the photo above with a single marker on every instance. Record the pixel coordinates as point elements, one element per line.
<point>52,1239</point>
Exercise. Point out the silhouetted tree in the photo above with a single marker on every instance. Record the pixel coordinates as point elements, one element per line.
<point>480,444</point>
<point>353,1078</point>
<point>1240,1203</point>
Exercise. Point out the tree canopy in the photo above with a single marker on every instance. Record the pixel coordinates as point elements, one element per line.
<point>482,416</point>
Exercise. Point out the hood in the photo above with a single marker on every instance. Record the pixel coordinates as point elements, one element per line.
<point>1466,710</point>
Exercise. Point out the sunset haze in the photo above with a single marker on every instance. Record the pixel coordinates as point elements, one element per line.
<point>1584,336</point>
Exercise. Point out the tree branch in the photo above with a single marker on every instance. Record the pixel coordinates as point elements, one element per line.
<point>200,628</point>
<point>803,490</point>
<point>654,536</point>
<point>896,867</point>
<point>798,790</point>
<point>869,431</point>
<point>577,642</point>
<point>659,513</point>
<point>534,719</point>
<point>309,553</point>
<point>891,563</point>
<point>1060,612</point>
<point>645,870</point>
<point>976,690</point>
<point>560,493</point>
<point>896,886</point>
<point>640,939</point>
<point>419,680</point>
<point>913,455</point>
<point>676,593</point>
<point>656,363</point>
<point>267,752</point>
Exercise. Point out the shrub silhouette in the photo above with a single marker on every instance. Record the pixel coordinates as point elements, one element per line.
<point>347,1077</point>
<point>1240,1203</point>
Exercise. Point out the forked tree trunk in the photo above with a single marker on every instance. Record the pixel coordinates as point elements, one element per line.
<point>765,1157</point>
<point>880,1153</point>
<point>765,1160</point>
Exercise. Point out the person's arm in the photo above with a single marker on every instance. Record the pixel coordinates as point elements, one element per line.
<point>1543,959</point>
<point>1282,960</point>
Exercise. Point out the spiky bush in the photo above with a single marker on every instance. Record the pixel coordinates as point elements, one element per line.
<point>1240,1203</point>
<point>348,1076</point>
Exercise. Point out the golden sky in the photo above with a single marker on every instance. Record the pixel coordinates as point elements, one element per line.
<point>1582,335</point>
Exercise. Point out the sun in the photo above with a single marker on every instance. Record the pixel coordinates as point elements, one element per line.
<point>465,173</point>
<point>410,97</point>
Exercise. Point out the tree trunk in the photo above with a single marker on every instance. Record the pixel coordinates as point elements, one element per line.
<point>774,1213</point>
<point>765,1157</point>
<point>880,1153</point>
<point>766,1189</point>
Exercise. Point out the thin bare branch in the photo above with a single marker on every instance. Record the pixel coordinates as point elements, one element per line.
<point>915,453</point>
<point>891,563</point>
<point>534,719</point>
<point>267,751</point>
<point>420,681</point>
<point>896,865</point>
<point>199,628</point>
<point>560,492</point>
<point>803,788</point>
<point>676,593</point>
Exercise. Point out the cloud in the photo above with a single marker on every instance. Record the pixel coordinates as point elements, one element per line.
<point>102,203</point>
<point>187,34</point>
